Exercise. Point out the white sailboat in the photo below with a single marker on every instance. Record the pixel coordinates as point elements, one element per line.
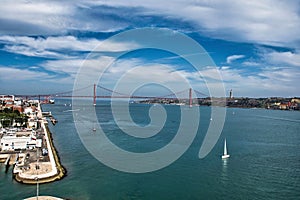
<point>225,155</point>
<point>94,129</point>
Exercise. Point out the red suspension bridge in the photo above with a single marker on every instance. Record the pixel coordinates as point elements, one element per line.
<point>99,92</point>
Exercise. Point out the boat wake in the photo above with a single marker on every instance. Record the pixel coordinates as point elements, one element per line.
<point>71,110</point>
<point>278,118</point>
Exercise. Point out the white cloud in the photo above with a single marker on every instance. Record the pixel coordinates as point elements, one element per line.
<point>17,75</point>
<point>46,16</point>
<point>229,59</point>
<point>132,72</point>
<point>72,66</point>
<point>28,51</point>
<point>271,22</point>
<point>50,17</point>
<point>251,63</point>
<point>288,57</point>
<point>25,81</point>
<point>268,82</point>
<point>60,46</point>
<point>156,72</point>
<point>9,73</point>
<point>264,22</point>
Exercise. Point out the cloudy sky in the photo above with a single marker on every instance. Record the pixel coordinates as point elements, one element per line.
<point>255,44</point>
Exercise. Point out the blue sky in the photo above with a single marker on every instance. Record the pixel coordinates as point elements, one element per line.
<point>255,45</point>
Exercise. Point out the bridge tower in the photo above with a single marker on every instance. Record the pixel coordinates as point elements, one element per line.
<point>94,97</point>
<point>190,98</point>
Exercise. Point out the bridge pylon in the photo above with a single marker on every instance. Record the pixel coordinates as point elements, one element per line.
<point>190,98</point>
<point>95,95</point>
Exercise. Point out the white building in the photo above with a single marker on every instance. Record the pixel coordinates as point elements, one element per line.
<point>13,142</point>
<point>32,123</point>
<point>28,110</point>
<point>7,97</point>
<point>18,102</point>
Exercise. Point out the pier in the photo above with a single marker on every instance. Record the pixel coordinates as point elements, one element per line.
<point>7,163</point>
<point>7,160</point>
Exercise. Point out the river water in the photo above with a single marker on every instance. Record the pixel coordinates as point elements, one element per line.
<point>264,164</point>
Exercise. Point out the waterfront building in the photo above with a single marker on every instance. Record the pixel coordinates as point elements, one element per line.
<point>10,143</point>
<point>18,141</point>
<point>7,97</point>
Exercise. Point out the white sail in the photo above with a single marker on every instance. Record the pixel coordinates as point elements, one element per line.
<point>225,155</point>
<point>225,148</point>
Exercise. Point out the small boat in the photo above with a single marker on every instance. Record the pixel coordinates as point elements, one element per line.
<point>94,129</point>
<point>225,155</point>
<point>53,120</point>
